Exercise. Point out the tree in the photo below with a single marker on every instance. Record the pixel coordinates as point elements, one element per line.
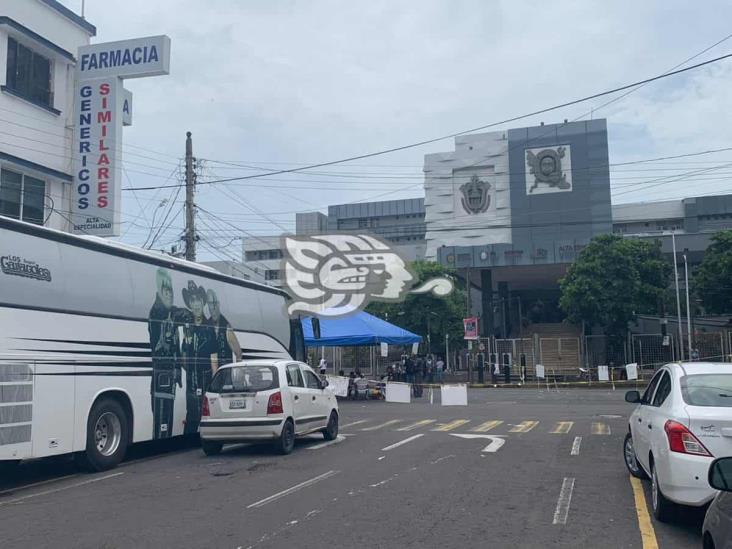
<point>612,281</point>
<point>713,278</point>
<point>427,313</point>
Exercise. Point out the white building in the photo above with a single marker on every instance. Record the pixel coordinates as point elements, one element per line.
<point>263,257</point>
<point>38,45</point>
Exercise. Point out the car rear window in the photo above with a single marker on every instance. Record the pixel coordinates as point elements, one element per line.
<point>707,390</point>
<point>245,379</point>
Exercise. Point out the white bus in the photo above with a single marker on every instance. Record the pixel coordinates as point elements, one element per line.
<point>103,345</point>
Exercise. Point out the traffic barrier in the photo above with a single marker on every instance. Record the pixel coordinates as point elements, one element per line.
<point>398,392</point>
<point>454,395</point>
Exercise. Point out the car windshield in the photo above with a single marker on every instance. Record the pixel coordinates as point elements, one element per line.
<point>707,390</point>
<point>239,379</point>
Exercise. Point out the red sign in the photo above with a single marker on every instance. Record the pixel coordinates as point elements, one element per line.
<point>471,327</point>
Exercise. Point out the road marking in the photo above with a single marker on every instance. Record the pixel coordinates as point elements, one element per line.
<point>524,427</point>
<point>61,488</point>
<point>398,444</point>
<point>496,441</point>
<point>487,426</point>
<point>576,446</point>
<point>359,422</point>
<point>417,425</point>
<point>648,535</point>
<point>599,428</point>
<point>39,483</point>
<point>375,427</point>
<point>454,424</point>
<point>562,428</point>
<point>292,489</point>
<point>565,498</point>
<point>337,440</point>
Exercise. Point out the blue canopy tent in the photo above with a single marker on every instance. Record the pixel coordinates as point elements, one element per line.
<point>360,328</point>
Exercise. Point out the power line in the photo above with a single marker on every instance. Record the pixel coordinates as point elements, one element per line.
<point>483,127</point>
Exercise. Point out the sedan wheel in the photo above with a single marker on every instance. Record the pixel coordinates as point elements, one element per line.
<point>331,431</point>
<point>662,508</point>
<point>631,461</point>
<point>286,442</point>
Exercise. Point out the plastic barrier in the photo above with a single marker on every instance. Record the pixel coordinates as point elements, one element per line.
<point>454,395</point>
<point>398,392</point>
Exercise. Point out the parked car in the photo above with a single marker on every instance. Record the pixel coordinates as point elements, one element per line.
<point>266,400</point>
<point>717,529</point>
<point>682,422</point>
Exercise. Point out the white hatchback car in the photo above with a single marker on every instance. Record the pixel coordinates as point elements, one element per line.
<point>266,400</point>
<point>683,421</point>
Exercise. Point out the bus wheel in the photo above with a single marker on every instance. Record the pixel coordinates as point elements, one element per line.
<point>106,435</point>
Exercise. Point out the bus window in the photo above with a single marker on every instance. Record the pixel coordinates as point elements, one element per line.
<point>297,340</point>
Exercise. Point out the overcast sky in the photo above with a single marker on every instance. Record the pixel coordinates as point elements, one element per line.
<point>280,83</point>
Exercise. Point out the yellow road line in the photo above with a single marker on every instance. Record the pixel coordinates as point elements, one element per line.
<point>451,425</point>
<point>487,426</point>
<point>599,428</point>
<point>648,535</point>
<point>524,427</point>
<point>417,425</point>
<point>562,427</point>
<point>375,427</point>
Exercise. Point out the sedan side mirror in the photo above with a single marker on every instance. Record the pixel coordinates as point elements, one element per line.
<point>324,383</point>
<point>633,397</point>
<point>720,474</point>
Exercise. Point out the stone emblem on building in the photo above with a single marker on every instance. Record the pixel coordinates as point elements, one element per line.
<point>548,170</point>
<point>476,195</point>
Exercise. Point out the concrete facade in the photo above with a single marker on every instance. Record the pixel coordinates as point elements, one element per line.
<point>545,191</point>
<point>36,136</point>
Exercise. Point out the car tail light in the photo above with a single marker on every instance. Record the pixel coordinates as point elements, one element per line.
<point>205,412</point>
<point>274,405</point>
<point>681,440</point>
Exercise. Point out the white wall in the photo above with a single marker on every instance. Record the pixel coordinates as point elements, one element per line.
<point>484,155</point>
<point>28,131</point>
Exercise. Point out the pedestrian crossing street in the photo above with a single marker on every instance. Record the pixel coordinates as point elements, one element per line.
<point>564,427</point>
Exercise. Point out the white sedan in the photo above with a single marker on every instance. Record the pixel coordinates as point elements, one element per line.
<point>266,400</point>
<point>682,422</point>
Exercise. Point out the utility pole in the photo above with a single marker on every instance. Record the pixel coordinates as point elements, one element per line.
<point>678,301</point>
<point>190,233</point>
<point>688,308</point>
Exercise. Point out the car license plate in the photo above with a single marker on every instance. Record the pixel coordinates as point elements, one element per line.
<point>237,404</point>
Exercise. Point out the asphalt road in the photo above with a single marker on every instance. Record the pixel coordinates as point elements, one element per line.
<point>400,477</point>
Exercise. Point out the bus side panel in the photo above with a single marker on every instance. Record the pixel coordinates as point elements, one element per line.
<point>53,410</point>
<point>129,375</point>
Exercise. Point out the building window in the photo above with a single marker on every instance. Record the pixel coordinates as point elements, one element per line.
<point>29,73</point>
<point>272,274</point>
<point>22,197</point>
<point>363,223</point>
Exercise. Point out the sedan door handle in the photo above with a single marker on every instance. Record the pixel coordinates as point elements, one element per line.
<point>640,420</point>
<point>650,426</point>
<point>297,397</point>
<point>313,397</point>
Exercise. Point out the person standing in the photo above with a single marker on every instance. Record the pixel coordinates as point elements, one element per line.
<point>439,369</point>
<point>323,366</point>
<point>162,326</point>
<point>200,352</point>
<point>227,344</point>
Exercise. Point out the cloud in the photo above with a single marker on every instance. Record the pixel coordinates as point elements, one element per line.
<point>304,81</point>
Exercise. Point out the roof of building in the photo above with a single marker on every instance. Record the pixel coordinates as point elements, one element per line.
<point>644,211</point>
<point>71,16</point>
